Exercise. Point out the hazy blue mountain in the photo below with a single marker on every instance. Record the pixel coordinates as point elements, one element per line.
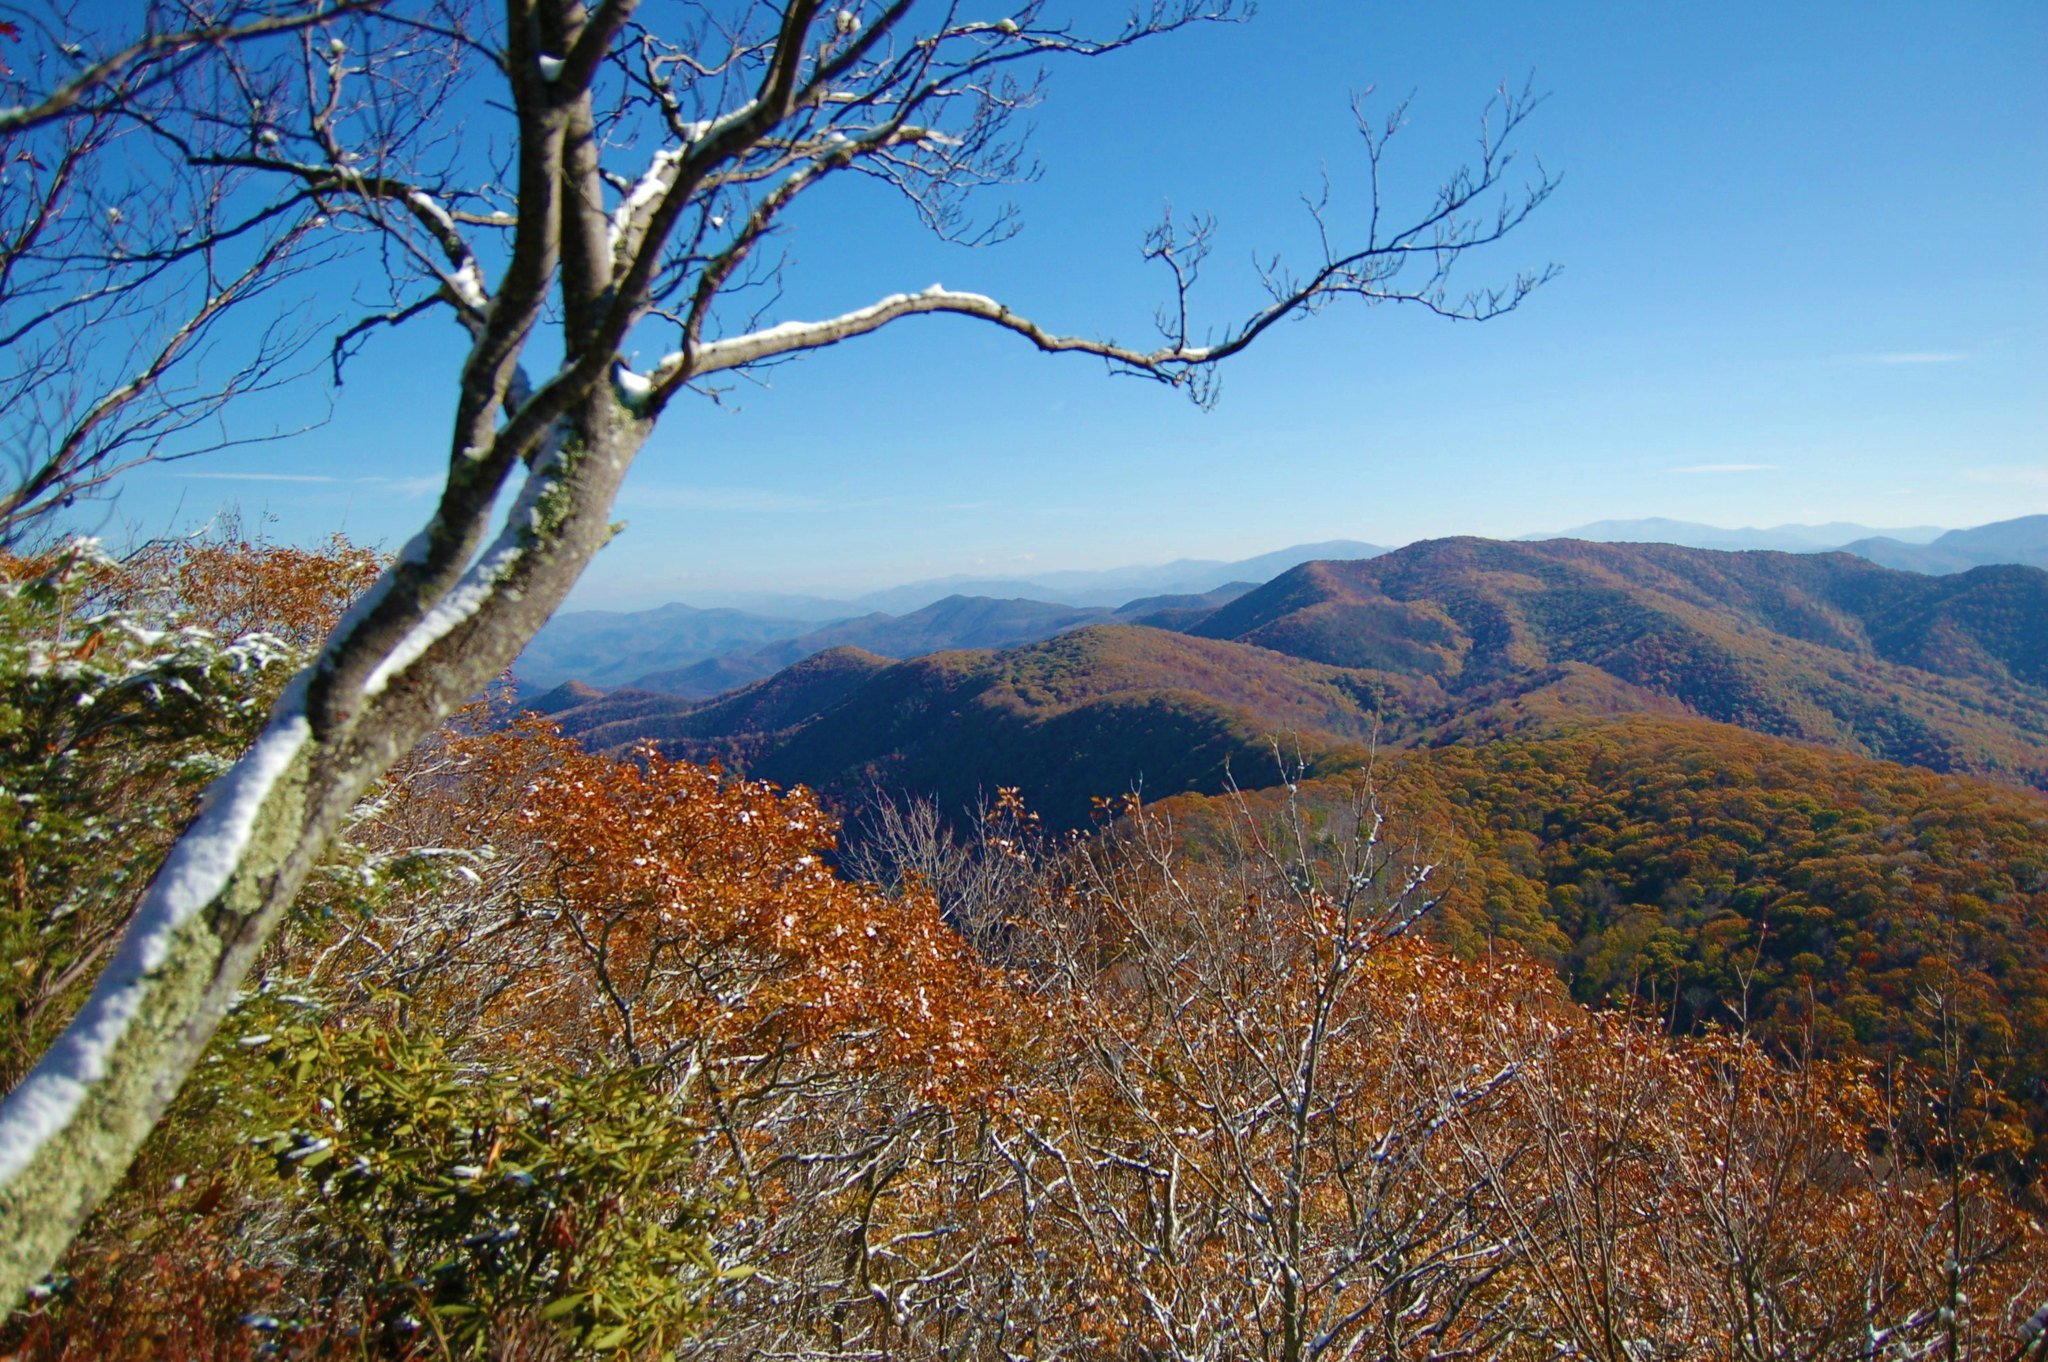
<point>684,650</point>
<point>2023,541</point>
<point>1092,587</point>
<point>955,622</point>
<point>1269,565</point>
<point>808,611</point>
<point>1178,612</point>
<point>624,718</point>
<point>1692,535</point>
<point>607,648</point>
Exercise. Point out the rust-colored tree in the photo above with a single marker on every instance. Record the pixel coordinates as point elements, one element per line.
<point>1220,1101</point>
<point>646,166</point>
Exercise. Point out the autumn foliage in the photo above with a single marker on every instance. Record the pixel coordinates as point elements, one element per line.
<point>1717,877</point>
<point>568,1054</point>
<point>125,685</point>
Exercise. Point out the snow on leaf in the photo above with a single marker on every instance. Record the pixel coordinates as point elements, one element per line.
<point>194,876</point>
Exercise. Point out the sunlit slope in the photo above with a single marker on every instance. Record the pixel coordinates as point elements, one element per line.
<point>1102,710</point>
<point>1725,874</point>
<point>1452,641</point>
<point>1946,672</point>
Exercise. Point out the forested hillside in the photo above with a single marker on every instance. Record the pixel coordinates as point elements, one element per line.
<point>1946,672</point>
<point>1093,712</point>
<point>1455,641</point>
<point>1725,878</point>
<point>568,1054</point>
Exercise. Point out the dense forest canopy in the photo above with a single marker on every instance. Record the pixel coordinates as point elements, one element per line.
<point>572,1053</point>
<point>1479,950</point>
<point>1723,878</point>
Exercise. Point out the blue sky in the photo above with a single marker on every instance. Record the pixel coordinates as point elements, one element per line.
<point>1804,279</point>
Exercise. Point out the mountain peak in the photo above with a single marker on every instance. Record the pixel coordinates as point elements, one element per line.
<point>1791,538</point>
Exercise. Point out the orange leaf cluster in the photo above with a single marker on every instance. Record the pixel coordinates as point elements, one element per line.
<point>664,915</point>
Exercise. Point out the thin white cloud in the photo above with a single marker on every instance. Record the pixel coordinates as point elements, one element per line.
<point>1916,357</point>
<point>1725,468</point>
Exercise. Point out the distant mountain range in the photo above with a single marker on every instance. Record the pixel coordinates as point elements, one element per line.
<point>607,648</point>
<point>1692,535</point>
<point>681,650</point>
<point>1116,586</point>
<point>1917,548</point>
<point>698,652</point>
<point>1445,640</point>
<point>701,653</point>
<point>955,622</point>
<point>1102,587</point>
<point>2024,540</point>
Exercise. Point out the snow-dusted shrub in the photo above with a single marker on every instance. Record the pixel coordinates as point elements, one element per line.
<point>125,686</point>
<point>462,1201</point>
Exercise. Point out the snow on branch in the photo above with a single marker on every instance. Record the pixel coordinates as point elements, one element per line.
<point>790,337</point>
<point>194,876</point>
<point>1410,260</point>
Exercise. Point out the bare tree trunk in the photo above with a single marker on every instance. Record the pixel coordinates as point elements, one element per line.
<point>793,96</point>
<point>69,1131</point>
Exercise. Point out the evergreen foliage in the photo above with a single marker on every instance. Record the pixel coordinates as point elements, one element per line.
<point>567,1054</point>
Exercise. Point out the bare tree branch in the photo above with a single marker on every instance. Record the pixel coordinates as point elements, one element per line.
<point>616,182</point>
<point>110,82</point>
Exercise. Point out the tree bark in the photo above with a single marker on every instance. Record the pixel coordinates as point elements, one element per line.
<point>70,1129</point>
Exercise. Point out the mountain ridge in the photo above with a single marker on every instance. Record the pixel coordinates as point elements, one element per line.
<point>2022,540</point>
<point>1814,646</point>
<point>1455,640</point>
<point>701,652</point>
<point>1791,537</point>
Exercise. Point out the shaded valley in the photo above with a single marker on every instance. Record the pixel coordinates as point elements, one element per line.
<point>1446,641</point>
